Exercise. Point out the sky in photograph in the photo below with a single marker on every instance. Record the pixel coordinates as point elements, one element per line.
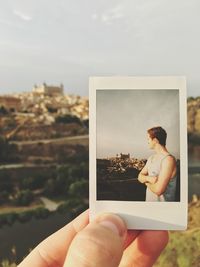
<point>68,41</point>
<point>123,117</point>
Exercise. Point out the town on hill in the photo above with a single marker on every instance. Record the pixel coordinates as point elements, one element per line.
<point>42,108</point>
<point>43,149</point>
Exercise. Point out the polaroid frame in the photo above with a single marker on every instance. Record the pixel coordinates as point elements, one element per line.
<point>141,215</point>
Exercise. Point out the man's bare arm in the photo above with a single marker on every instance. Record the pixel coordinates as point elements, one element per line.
<point>143,176</point>
<point>164,177</point>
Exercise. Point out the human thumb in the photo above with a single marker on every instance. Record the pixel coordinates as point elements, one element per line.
<point>100,244</point>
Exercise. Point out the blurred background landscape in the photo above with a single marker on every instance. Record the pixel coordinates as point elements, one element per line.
<point>44,170</point>
<point>44,127</point>
<point>43,165</point>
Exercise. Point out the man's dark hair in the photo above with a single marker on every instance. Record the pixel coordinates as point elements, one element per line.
<point>159,133</point>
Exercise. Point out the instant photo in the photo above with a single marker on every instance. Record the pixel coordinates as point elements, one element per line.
<point>138,150</point>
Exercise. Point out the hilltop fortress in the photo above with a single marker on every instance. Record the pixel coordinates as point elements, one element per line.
<point>48,90</point>
<point>45,101</point>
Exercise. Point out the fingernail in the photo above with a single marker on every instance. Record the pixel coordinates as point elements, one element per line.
<point>113,223</point>
<point>111,226</point>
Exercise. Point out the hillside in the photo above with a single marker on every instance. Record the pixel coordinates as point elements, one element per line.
<point>40,116</point>
<point>183,249</point>
<point>193,112</point>
<point>37,111</point>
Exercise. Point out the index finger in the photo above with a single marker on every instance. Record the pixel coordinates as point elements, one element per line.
<point>52,251</point>
<point>145,249</point>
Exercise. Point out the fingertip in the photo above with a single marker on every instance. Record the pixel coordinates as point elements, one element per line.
<point>100,243</point>
<point>81,221</point>
<point>165,238</point>
<point>146,248</point>
<point>130,237</point>
<point>114,222</point>
<point>154,241</point>
<point>161,238</point>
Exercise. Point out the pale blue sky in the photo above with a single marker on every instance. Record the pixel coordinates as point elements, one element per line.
<point>123,117</point>
<point>68,41</point>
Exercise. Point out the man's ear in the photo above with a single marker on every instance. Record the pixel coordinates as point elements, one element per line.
<point>156,140</point>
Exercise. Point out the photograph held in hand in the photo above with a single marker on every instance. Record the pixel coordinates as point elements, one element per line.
<point>138,150</point>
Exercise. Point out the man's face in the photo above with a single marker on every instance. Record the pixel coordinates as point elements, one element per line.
<point>151,142</point>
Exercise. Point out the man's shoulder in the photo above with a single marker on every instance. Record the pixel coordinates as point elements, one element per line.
<point>169,159</point>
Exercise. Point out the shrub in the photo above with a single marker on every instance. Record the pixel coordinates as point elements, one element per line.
<point>4,197</point>
<point>23,198</point>
<point>75,172</point>
<point>3,148</point>
<point>8,153</point>
<point>73,207</point>
<point>79,189</point>
<point>3,110</point>
<point>7,263</point>
<point>191,98</point>
<point>8,218</point>
<point>6,183</point>
<point>69,205</point>
<point>68,119</point>
<point>41,213</point>
<point>50,188</point>
<point>32,182</point>
<point>52,110</point>
<point>3,219</point>
<point>25,216</point>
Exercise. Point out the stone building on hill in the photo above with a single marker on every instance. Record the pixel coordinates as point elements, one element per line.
<point>124,156</point>
<point>48,90</point>
<point>10,103</point>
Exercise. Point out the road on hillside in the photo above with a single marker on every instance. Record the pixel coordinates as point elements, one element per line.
<point>49,204</point>
<point>54,140</point>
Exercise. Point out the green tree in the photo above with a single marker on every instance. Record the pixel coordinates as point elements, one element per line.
<point>41,213</point>
<point>68,119</point>
<point>79,189</point>
<point>3,149</point>
<point>4,196</point>
<point>23,198</point>
<point>50,187</point>
<point>25,216</point>
<point>5,182</point>
<point>33,182</point>
<point>3,111</point>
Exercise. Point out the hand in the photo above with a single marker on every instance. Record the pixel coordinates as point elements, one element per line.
<point>152,179</point>
<point>103,242</point>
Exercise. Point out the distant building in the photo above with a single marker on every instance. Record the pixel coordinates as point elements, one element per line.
<point>48,90</point>
<point>10,103</point>
<point>124,156</point>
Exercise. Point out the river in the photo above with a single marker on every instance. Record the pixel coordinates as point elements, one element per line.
<point>23,236</point>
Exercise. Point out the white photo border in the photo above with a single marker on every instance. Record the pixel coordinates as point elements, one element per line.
<point>137,214</point>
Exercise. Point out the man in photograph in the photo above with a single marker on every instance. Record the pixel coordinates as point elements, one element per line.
<point>160,172</point>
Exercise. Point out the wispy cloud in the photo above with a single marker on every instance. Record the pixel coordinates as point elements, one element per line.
<point>6,22</point>
<point>22,15</point>
<point>113,14</point>
<point>94,16</point>
<point>10,24</point>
